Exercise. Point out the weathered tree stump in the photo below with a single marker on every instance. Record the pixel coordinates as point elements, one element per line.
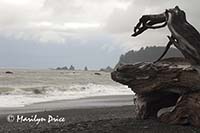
<point>186,111</point>
<point>160,85</point>
<point>170,82</point>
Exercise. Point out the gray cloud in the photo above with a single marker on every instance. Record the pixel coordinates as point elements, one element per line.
<point>96,25</point>
<point>53,20</point>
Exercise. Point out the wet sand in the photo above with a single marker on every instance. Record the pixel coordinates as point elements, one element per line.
<point>90,102</point>
<point>114,116</point>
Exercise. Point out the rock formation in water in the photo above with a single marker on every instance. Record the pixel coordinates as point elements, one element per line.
<point>172,82</point>
<point>62,68</point>
<point>72,67</point>
<point>86,69</point>
<point>107,69</point>
<point>9,72</point>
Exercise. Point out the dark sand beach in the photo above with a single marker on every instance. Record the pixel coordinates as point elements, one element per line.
<point>97,114</point>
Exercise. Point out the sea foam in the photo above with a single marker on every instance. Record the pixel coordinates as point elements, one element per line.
<point>20,97</point>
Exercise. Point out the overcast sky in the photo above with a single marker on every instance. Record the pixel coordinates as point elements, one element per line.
<point>93,33</point>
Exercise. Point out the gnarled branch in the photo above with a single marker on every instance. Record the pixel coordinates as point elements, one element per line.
<point>185,37</point>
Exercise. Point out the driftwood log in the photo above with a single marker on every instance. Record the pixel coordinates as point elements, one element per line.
<point>183,35</point>
<point>167,89</point>
<point>169,82</point>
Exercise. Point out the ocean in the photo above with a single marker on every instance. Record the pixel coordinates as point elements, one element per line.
<point>26,86</point>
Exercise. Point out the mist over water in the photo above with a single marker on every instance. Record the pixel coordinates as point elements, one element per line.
<point>32,86</point>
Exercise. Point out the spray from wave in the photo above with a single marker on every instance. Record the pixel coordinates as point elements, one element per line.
<point>19,97</point>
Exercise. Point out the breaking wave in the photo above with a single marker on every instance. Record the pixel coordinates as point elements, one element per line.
<point>19,97</point>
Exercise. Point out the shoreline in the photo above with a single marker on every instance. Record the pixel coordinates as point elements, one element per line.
<point>109,114</point>
<point>81,103</point>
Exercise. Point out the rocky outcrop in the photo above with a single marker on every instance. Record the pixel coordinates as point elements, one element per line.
<point>146,54</point>
<point>86,69</point>
<point>62,68</point>
<point>9,72</point>
<point>107,69</point>
<point>72,68</point>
